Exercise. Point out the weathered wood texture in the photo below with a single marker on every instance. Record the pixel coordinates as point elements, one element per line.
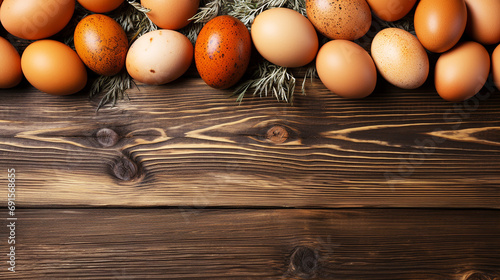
<point>256,244</point>
<point>185,144</point>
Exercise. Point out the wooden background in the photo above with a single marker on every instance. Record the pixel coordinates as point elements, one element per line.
<point>182,182</point>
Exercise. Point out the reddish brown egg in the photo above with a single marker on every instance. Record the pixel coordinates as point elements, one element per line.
<point>102,44</point>
<point>100,6</point>
<point>222,51</point>
<point>439,25</point>
<point>391,10</point>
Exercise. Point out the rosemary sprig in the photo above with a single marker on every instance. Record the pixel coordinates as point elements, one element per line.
<point>134,20</point>
<point>311,73</point>
<point>269,79</point>
<point>113,88</point>
<point>247,10</point>
<point>209,10</point>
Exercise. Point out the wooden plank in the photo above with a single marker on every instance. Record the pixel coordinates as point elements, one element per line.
<point>184,144</point>
<point>255,244</point>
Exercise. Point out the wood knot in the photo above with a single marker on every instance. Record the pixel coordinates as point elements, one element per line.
<point>125,169</point>
<point>107,137</point>
<point>477,276</point>
<point>277,134</point>
<point>304,262</point>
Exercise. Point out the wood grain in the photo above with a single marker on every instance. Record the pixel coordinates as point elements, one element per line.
<point>185,144</point>
<point>256,244</point>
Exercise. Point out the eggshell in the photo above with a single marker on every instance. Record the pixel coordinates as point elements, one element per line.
<point>222,51</point>
<point>440,24</point>
<point>171,14</point>
<point>101,43</point>
<point>53,67</point>
<point>340,19</point>
<point>285,37</point>
<point>36,19</point>
<point>462,71</point>
<point>346,69</point>
<point>391,10</point>
<point>159,57</point>
<point>400,58</point>
<point>495,66</point>
<point>100,6</point>
<point>10,70</point>
<point>483,20</point>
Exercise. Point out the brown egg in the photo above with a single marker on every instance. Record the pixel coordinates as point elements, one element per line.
<point>100,6</point>
<point>400,58</point>
<point>495,66</point>
<point>340,19</point>
<point>222,51</point>
<point>462,71</point>
<point>101,43</point>
<point>483,21</point>
<point>36,19</point>
<point>285,37</point>
<point>391,10</point>
<point>346,69</point>
<point>53,67</point>
<point>440,24</point>
<point>171,14</point>
<point>10,71</point>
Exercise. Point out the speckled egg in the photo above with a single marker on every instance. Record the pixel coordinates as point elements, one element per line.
<point>340,19</point>
<point>462,71</point>
<point>439,25</point>
<point>391,10</point>
<point>159,57</point>
<point>222,51</point>
<point>102,44</point>
<point>400,58</point>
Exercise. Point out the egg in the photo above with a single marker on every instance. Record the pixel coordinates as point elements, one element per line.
<point>495,66</point>
<point>340,19</point>
<point>36,19</point>
<point>171,14</point>
<point>222,51</point>
<point>285,37</point>
<point>400,58</point>
<point>439,25</point>
<point>10,72</point>
<point>100,6</point>
<point>159,57</point>
<point>101,43</point>
<point>462,71</point>
<point>483,21</point>
<point>346,69</point>
<point>53,67</point>
<point>391,10</point>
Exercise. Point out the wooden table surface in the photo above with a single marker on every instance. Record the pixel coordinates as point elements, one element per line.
<point>182,182</point>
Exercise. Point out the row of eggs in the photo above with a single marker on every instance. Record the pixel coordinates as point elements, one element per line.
<point>282,36</point>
